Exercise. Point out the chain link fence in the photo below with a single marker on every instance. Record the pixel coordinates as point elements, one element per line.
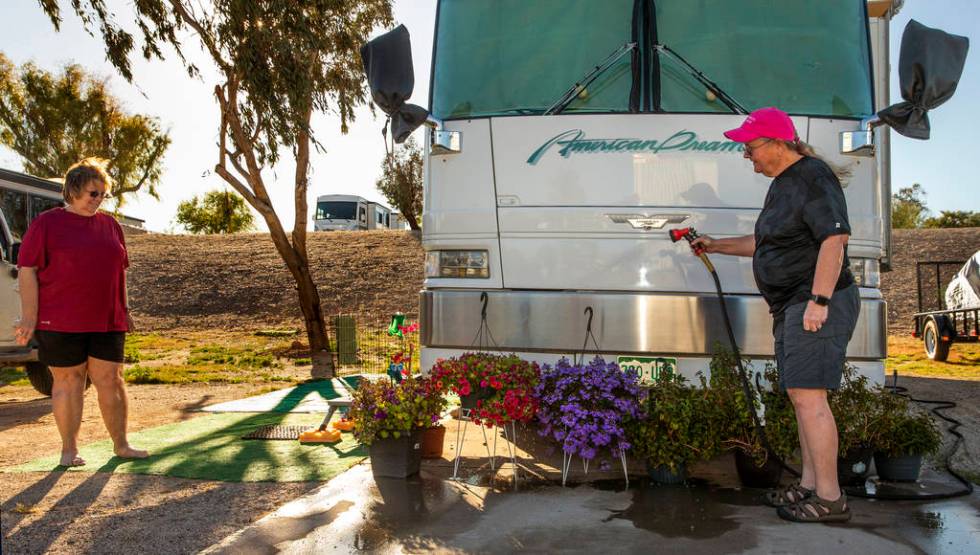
<point>371,348</point>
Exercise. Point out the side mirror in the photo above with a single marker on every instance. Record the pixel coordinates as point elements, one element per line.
<point>387,63</point>
<point>929,68</point>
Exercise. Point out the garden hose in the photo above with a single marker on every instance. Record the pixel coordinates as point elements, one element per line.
<point>940,405</point>
<point>690,235</point>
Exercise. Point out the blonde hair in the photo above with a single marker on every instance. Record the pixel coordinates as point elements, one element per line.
<point>804,149</point>
<point>77,176</point>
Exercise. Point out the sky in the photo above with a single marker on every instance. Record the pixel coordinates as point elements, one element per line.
<point>944,165</point>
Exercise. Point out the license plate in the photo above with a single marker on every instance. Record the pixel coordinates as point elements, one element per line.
<point>648,368</point>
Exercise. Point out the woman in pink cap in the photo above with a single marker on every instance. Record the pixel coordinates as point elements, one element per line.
<point>799,258</point>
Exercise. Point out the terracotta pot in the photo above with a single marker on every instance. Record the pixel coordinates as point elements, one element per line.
<point>432,441</point>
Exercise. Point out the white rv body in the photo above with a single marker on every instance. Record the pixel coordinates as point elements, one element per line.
<point>571,212</point>
<point>349,213</point>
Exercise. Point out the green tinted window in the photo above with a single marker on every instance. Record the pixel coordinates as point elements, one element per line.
<point>519,56</point>
<point>802,56</point>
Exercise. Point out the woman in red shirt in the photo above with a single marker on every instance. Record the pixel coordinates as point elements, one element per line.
<point>72,278</point>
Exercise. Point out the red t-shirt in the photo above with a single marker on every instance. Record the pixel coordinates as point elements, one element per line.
<point>81,266</point>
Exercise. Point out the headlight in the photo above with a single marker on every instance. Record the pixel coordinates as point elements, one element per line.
<point>866,272</point>
<point>457,264</point>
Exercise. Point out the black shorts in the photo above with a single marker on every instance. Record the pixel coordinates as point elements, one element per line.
<point>815,360</point>
<point>61,349</point>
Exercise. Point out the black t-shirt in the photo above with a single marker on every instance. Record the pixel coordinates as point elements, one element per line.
<point>804,206</point>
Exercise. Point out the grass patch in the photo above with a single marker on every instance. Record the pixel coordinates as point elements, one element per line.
<point>222,355</point>
<point>907,356</point>
<point>303,361</point>
<point>277,333</point>
<point>13,376</point>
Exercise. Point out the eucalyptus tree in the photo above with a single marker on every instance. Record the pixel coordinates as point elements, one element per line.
<point>278,62</point>
<point>53,120</point>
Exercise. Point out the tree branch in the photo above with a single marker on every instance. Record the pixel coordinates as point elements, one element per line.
<point>206,37</point>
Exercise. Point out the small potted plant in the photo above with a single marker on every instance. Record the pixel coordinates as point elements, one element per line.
<point>584,407</point>
<point>389,418</point>
<point>903,436</point>
<point>855,406</point>
<point>756,466</point>
<point>675,428</point>
<point>496,389</point>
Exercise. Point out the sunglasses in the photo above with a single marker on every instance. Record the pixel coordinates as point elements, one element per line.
<point>96,194</point>
<point>748,150</point>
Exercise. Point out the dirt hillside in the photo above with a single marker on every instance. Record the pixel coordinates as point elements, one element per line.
<point>240,281</point>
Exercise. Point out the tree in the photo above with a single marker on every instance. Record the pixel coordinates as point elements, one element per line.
<point>277,62</point>
<point>954,218</point>
<point>909,207</point>
<point>401,181</point>
<point>216,212</point>
<point>53,121</point>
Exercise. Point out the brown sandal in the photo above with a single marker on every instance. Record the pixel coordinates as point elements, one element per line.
<point>793,493</point>
<point>817,509</point>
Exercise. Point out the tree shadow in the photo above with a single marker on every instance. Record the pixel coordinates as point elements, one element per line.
<point>16,413</point>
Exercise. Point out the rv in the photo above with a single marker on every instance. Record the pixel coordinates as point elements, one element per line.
<point>568,136</point>
<point>349,213</point>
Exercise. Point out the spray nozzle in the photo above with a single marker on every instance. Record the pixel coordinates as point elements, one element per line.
<point>688,233</point>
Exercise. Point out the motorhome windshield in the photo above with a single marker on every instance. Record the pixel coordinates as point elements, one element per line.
<point>515,57</point>
<point>336,210</point>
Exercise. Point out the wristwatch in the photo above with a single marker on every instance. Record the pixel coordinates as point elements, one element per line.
<point>820,299</point>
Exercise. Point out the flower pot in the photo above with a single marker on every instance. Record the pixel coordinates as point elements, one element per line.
<point>396,458</point>
<point>904,468</point>
<point>853,467</point>
<point>754,476</point>
<point>432,442</point>
<point>476,394</point>
<point>662,474</point>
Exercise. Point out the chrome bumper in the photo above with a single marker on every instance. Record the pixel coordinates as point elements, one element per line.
<point>667,324</point>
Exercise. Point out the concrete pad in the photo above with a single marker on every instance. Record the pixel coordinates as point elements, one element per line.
<point>482,511</point>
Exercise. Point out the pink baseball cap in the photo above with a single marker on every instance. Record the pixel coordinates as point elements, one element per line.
<point>771,123</point>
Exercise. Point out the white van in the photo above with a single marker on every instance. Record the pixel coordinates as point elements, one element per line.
<point>349,213</point>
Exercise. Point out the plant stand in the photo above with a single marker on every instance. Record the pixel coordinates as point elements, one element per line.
<point>491,454</point>
<point>566,465</point>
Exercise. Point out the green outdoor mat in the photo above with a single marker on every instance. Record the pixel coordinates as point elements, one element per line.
<point>305,397</point>
<point>210,448</point>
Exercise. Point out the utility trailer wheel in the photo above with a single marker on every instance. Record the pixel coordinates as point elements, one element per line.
<point>936,348</point>
<point>40,376</point>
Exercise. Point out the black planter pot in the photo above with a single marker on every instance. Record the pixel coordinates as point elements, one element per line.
<point>662,474</point>
<point>396,458</point>
<point>476,394</point>
<point>754,476</point>
<point>904,468</point>
<point>853,467</point>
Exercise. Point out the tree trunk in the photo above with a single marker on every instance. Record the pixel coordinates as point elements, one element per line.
<point>413,222</point>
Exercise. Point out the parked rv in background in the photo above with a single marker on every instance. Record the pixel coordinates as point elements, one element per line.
<point>349,213</point>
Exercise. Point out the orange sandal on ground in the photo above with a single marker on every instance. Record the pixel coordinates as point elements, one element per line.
<point>793,493</point>
<point>817,509</point>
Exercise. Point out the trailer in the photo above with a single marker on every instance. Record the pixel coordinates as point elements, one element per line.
<point>349,213</point>
<point>566,137</point>
<point>939,329</point>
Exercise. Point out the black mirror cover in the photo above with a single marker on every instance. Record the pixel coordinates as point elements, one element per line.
<point>387,63</point>
<point>929,68</point>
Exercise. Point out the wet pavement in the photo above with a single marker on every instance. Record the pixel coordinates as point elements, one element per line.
<point>482,512</point>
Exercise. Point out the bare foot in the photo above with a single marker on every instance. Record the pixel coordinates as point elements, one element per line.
<point>130,453</point>
<point>71,459</point>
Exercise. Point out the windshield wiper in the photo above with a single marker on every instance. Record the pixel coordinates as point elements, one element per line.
<point>732,104</point>
<point>587,79</point>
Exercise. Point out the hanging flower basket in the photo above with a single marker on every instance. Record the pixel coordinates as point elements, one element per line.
<point>498,389</point>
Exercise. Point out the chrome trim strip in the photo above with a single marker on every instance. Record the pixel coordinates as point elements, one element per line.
<point>623,322</point>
